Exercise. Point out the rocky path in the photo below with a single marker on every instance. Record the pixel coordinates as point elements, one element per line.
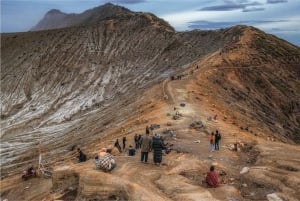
<point>182,171</point>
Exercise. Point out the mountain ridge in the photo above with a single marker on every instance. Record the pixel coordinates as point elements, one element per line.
<point>71,86</point>
<point>55,19</point>
<point>102,79</point>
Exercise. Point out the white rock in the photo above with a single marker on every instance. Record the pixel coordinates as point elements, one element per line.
<point>245,185</point>
<point>273,197</point>
<point>244,170</point>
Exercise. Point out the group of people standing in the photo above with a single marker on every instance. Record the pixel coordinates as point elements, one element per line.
<point>148,144</point>
<point>215,140</point>
<point>105,161</point>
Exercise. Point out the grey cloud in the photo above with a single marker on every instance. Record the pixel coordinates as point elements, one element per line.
<point>253,9</point>
<point>230,5</point>
<point>285,30</point>
<point>202,24</point>
<point>276,1</point>
<point>222,8</point>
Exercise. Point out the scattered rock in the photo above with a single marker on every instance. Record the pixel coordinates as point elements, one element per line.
<point>197,141</point>
<point>273,197</point>
<point>27,187</point>
<point>196,124</point>
<point>244,170</point>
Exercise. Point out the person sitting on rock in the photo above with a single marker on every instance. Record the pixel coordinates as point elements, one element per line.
<point>105,162</point>
<point>212,180</point>
<point>131,151</point>
<point>81,157</point>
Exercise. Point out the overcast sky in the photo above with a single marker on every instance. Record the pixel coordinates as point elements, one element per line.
<point>278,17</point>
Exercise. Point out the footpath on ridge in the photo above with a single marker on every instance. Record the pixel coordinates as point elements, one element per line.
<point>182,171</point>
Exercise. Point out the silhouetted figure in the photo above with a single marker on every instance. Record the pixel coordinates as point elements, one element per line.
<point>124,142</point>
<point>217,140</point>
<point>139,141</point>
<point>81,157</point>
<point>136,141</point>
<point>118,145</point>
<point>147,130</point>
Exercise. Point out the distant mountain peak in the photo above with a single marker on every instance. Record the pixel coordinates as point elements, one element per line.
<point>55,19</point>
<point>54,11</point>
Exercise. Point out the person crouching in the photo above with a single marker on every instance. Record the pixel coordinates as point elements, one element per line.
<point>104,161</point>
<point>212,180</point>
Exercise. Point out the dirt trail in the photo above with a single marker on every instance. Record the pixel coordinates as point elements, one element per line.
<point>182,171</point>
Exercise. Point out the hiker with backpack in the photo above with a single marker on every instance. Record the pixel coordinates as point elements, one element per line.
<point>217,139</point>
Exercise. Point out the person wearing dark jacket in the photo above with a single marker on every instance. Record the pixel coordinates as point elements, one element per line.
<point>136,141</point>
<point>124,142</point>
<point>131,151</point>
<point>117,145</point>
<point>157,146</point>
<point>147,130</point>
<point>81,157</point>
<point>217,140</point>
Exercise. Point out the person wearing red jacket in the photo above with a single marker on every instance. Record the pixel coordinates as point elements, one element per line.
<point>212,179</point>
